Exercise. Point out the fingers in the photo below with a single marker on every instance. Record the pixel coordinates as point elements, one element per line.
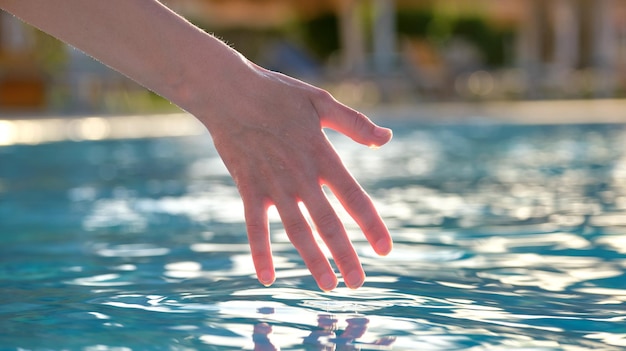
<point>257,227</point>
<point>298,230</point>
<point>331,230</point>
<point>360,207</point>
<point>301,236</point>
<point>353,198</point>
<point>352,123</point>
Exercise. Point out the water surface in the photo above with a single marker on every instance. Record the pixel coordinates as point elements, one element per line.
<point>506,238</point>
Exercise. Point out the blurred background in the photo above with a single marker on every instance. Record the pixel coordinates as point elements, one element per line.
<point>366,52</point>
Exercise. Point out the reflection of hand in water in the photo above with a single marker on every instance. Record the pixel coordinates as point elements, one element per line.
<point>355,329</point>
<point>324,337</point>
<point>320,338</point>
<point>260,335</point>
<point>261,339</point>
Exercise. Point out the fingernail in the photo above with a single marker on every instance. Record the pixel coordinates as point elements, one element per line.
<point>382,132</point>
<point>383,247</point>
<point>266,278</point>
<point>328,282</point>
<point>354,279</point>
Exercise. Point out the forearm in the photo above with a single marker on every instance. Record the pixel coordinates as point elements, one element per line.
<point>140,38</point>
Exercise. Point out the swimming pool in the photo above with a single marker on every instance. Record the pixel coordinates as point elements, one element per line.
<point>507,237</point>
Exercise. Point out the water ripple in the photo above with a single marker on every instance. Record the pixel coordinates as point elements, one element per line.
<point>506,238</point>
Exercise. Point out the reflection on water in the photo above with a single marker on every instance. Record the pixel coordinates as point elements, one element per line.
<point>506,237</point>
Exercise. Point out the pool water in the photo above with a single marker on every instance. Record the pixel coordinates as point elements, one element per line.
<point>507,237</point>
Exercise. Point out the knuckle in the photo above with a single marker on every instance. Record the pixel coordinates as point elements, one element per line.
<point>255,228</point>
<point>261,257</point>
<point>295,230</point>
<point>344,257</point>
<point>315,262</point>
<point>358,121</point>
<point>328,223</point>
<point>322,100</point>
<point>246,187</point>
<point>370,226</point>
<point>323,95</point>
<point>354,197</point>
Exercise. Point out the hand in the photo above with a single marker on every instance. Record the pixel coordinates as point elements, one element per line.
<point>267,127</point>
<point>268,131</point>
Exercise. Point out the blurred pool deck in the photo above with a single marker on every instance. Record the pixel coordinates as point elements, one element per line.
<point>42,128</point>
<point>601,111</point>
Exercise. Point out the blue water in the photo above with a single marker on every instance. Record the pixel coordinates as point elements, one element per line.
<point>506,238</point>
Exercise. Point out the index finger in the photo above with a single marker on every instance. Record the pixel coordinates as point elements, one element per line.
<point>360,207</point>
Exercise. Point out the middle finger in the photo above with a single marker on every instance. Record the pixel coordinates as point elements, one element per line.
<point>301,236</point>
<point>332,231</point>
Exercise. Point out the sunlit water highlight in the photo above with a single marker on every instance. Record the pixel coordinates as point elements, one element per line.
<point>506,238</point>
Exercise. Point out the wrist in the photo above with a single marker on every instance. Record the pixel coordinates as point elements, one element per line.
<point>211,76</point>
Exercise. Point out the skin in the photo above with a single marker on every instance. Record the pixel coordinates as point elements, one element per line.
<point>267,127</point>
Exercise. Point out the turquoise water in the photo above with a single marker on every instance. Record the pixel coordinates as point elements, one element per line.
<point>506,238</point>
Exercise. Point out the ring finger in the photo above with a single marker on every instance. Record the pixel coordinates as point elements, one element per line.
<point>301,236</point>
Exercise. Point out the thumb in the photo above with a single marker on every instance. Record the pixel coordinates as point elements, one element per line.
<point>355,125</point>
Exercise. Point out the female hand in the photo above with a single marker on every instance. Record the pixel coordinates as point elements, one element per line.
<point>268,131</point>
